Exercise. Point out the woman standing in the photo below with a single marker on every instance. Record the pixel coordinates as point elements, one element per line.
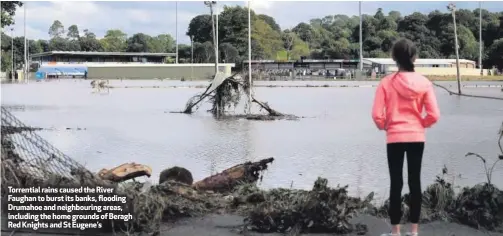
<point>398,109</point>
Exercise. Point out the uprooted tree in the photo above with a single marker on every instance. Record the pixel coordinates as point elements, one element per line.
<point>225,93</point>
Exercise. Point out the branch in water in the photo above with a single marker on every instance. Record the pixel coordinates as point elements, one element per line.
<point>466,95</point>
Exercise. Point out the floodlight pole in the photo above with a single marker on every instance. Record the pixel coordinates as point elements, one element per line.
<point>216,34</point>
<point>452,8</point>
<point>25,69</point>
<point>480,40</point>
<point>250,99</point>
<point>191,57</point>
<point>361,38</point>
<point>210,5</point>
<point>12,53</point>
<point>176,29</point>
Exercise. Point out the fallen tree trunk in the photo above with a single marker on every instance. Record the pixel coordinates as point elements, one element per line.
<point>248,172</point>
<point>125,172</point>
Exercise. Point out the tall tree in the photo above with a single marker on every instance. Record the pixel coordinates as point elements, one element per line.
<point>73,32</point>
<point>114,41</point>
<point>139,43</point>
<point>200,28</point>
<point>73,36</point>
<point>161,43</point>
<point>8,12</point>
<point>495,54</point>
<point>270,21</point>
<point>57,29</point>
<point>89,43</point>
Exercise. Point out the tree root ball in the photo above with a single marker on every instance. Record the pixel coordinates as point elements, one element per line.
<point>178,174</point>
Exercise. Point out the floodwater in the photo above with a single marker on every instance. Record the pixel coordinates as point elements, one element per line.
<point>338,141</point>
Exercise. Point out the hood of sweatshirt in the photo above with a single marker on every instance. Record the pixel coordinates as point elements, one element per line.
<point>410,85</point>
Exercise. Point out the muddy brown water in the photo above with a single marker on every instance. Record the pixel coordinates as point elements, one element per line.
<point>339,141</point>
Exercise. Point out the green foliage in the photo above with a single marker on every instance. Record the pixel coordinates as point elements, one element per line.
<point>332,36</point>
<point>114,41</point>
<point>270,21</point>
<point>480,207</point>
<point>161,43</point>
<point>489,170</point>
<point>6,61</point>
<point>228,53</point>
<point>268,40</point>
<point>8,11</point>
<point>57,29</point>
<point>73,32</point>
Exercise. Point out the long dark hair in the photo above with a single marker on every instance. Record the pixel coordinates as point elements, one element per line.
<point>404,54</point>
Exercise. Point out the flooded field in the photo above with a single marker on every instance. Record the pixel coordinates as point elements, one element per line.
<point>338,141</point>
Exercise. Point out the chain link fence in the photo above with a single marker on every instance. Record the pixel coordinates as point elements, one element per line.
<point>28,160</point>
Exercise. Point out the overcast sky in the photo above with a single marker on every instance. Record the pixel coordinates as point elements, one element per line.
<point>159,17</point>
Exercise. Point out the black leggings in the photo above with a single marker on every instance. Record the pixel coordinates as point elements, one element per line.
<point>396,153</point>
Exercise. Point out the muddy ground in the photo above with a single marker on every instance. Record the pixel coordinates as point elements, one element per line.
<point>231,225</point>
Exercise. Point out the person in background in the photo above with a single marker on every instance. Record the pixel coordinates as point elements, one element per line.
<point>398,109</point>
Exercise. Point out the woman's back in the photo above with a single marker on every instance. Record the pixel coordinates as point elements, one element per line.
<point>398,108</point>
<point>399,103</point>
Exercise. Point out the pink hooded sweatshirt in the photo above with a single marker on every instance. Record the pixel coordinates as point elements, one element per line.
<point>398,107</point>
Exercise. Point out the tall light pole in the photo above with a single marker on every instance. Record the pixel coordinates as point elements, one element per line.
<point>452,8</point>
<point>25,69</point>
<point>191,57</point>
<point>210,5</point>
<point>216,33</point>
<point>12,52</point>
<point>176,29</point>
<point>480,40</point>
<point>249,59</point>
<point>361,37</point>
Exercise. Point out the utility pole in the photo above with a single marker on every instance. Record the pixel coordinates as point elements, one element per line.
<point>452,8</point>
<point>25,69</point>
<point>216,41</point>
<point>249,59</point>
<point>210,5</point>
<point>12,53</point>
<point>176,29</point>
<point>361,39</point>
<point>480,40</point>
<point>191,57</point>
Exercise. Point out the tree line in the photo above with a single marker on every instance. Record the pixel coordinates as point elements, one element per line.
<point>330,37</point>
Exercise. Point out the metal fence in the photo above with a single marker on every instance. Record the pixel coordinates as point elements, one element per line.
<point>29,160</point>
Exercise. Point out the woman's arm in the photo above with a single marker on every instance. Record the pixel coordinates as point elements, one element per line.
<point>379,108</point>
<point>431,107</point>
